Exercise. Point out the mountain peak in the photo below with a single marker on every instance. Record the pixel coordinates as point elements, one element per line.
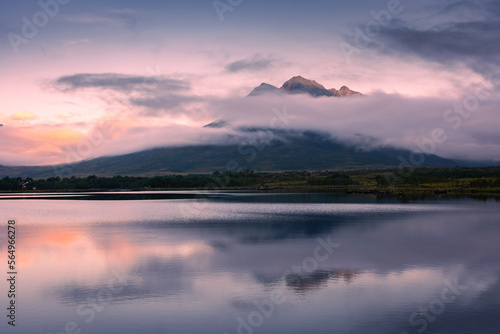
<point>345,91</point>
<point>217,124</point>
<point>298,79</point>
<point>300,85</point>
<point>265,88</point>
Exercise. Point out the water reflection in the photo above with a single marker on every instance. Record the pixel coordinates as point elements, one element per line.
<point>302,283</point>
<point>153,266</point>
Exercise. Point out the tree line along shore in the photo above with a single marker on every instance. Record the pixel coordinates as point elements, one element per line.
<point>431,181</point>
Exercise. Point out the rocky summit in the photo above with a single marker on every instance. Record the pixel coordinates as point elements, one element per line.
<point>301,85</point>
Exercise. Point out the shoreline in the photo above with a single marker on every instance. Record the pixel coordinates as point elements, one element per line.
<point>396,192</point>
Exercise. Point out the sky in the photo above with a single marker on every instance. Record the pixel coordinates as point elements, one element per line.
<point>82,79</point>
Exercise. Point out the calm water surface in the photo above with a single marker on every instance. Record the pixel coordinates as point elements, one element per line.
<point>178,262</point>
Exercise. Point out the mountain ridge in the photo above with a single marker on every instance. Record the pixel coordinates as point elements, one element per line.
<point>301,85</point>
<point>293,152</point>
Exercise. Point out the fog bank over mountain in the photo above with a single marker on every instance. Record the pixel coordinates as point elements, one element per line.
<point>464,128</point>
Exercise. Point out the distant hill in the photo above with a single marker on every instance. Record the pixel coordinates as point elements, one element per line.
<point>307,151</point>
<point>300,85</point>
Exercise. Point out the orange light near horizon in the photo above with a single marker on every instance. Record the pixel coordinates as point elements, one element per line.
<point>62,135</point>
<point>23,116</point>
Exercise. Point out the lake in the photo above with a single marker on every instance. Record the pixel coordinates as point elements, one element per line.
<point>239,262</point>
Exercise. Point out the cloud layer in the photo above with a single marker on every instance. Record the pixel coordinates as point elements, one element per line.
<point>119,82</point>
<point>256,63</point>
<point>465,128</point>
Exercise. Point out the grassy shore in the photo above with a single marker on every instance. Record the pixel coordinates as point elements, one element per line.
<point>483,182</point>
<point>370,182</point>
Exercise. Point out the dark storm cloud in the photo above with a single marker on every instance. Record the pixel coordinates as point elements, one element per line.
<point>253,64</point>
<point>464,32</point>
<point>119,82</point>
